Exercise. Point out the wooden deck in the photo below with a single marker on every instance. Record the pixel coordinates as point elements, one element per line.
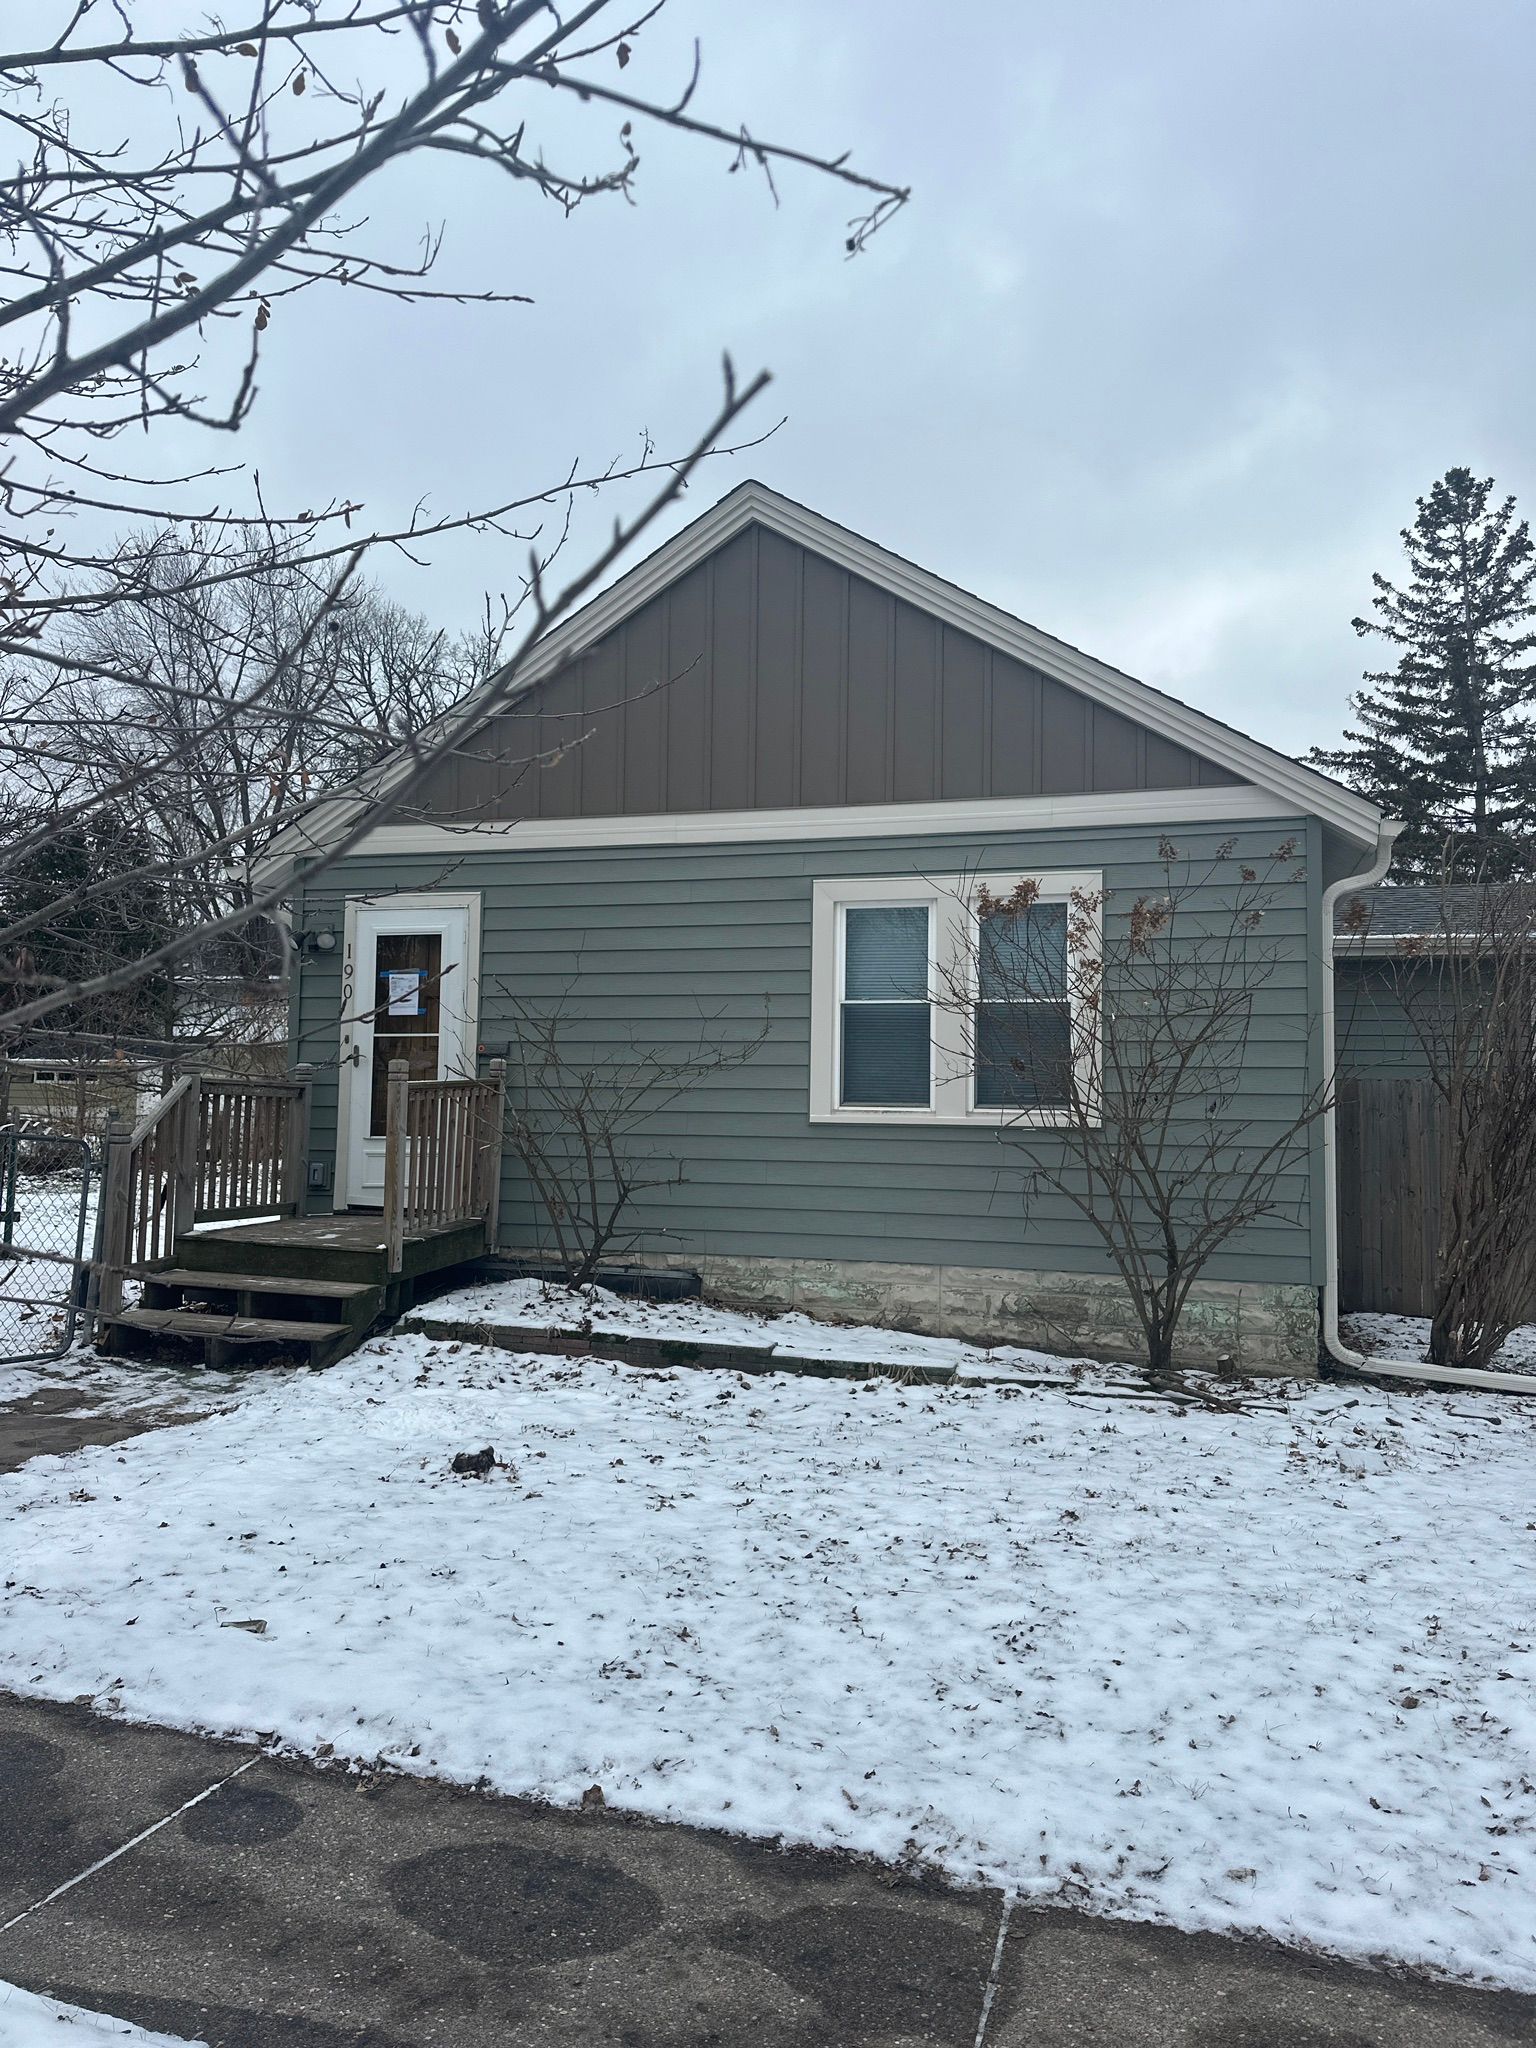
<point>353,1245</point>
<point>309,1288</point>
<point>202,1208</point>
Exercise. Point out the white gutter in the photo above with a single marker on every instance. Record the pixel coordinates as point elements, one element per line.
<point>1338,1350</point>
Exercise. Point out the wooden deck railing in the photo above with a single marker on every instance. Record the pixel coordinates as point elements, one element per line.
<point>252,1147</point>
<point>442,1154</point>
<point>211,1149</point>
<point>214,1149</point>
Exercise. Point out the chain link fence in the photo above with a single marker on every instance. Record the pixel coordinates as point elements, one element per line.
<point>47,1189</point>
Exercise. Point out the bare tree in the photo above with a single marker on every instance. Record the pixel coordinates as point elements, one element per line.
<point>579,1115</point>
<point>146,273</point>
<point>210,690</point>
<point>1468,987</point>
<point>251,145</point>
<point>1116,1043</point>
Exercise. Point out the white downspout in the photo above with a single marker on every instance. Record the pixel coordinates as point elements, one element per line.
<point>1342,1353</point>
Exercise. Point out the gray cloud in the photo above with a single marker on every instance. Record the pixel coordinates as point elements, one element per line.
<point>1190,302</point>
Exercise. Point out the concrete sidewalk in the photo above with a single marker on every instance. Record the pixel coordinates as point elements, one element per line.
<point>304,1908</point>
<point>62,1412</point>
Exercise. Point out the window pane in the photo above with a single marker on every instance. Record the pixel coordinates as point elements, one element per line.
<point>1023,953</point>
<point>886,1057</point>
<point>420,1055</point>
<point>408,982</point>
<point>886,955</point>
<point>408,978</point>
<point>1023,1055</point>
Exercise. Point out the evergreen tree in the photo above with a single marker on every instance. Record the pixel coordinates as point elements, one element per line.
<point>68,940</point>
<point>1446,740</point>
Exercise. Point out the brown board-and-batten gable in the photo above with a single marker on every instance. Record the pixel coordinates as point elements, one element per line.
<point>768,677</point>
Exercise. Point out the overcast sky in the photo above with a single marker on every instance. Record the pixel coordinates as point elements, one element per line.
<point>1192,299</point>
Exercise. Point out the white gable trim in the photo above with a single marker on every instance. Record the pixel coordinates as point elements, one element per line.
<point>1301,789</point>
<point>1170,808</point>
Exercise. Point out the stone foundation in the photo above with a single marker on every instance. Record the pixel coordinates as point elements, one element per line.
<point>1251,1329</point>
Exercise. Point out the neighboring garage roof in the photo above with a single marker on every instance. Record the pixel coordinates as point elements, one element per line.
<point>1405,910</point>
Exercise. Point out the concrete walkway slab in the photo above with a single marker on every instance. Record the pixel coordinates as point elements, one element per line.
<point>1071,1981</point>
<point>297,1907</point>
<point>56,1420</point>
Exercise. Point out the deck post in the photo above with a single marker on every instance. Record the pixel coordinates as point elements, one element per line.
<point>112,1218</point>
<point>497,1109</point>
<point>397,1101</point>
<point>296,1141</point>
<point>187,1166</point>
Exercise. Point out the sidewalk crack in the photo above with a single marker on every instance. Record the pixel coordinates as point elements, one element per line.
<point>995,1972</point>
<point>142,1836</point>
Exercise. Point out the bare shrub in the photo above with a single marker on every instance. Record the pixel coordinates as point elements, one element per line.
<point>1118,1043</point>
<point>578,1115</point>
<point>1468,987</point>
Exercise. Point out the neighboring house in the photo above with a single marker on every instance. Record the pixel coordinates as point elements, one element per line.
<point>63,1094</point>
<point>1389,946</point>
<point>768,727</point>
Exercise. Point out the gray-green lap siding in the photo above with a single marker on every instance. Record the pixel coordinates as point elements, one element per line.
<point>648,939</point>
<point>1375,1032</point>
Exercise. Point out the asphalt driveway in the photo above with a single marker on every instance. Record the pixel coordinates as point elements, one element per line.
<point>301,1907</point>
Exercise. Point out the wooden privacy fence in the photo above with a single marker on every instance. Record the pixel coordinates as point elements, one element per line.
<point>1390,1153</point>
<point>442,1154</point>
<point>211,1149</point>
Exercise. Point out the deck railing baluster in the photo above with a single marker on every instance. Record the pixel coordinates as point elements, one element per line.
<point>442,1155</point>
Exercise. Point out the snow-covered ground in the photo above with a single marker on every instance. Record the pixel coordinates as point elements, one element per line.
<point>1407,1337</point>
<point>30,2022</point>
<point>536,1305</point>
<point>1265,1670</point>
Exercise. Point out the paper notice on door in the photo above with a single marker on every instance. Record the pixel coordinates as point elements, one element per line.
<point>403,992</point>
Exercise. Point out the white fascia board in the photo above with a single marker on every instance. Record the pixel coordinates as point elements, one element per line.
<point>1300,787</point>
<point>1404,946</point>
<point>1236,804</point>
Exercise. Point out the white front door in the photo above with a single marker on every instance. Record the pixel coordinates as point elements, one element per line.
<point>410,991</point>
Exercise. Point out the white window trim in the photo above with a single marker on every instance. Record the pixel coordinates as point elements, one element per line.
<point>951,945</point>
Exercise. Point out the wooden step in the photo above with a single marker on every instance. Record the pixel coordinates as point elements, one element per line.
<point>344,1247</point>
<point>188,1278</point>
<point>197,1323</point>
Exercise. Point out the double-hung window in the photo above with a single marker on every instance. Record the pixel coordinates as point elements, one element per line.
<point>952,999</point>
<point>1021,1016</point>
<point>886,1014</point>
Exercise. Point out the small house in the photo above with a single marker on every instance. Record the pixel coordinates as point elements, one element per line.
<point>734,788</point>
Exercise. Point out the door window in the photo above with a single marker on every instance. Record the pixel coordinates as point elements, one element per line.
<point>407,1012</point>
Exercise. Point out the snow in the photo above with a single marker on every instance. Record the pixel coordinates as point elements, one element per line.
<point>30,2022</point>
<point>538,1305</point>
<point>1407,1338</point>
<point>1265,1669</point>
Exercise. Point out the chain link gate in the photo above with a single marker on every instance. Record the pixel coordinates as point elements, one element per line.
<point>45,1200</point>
